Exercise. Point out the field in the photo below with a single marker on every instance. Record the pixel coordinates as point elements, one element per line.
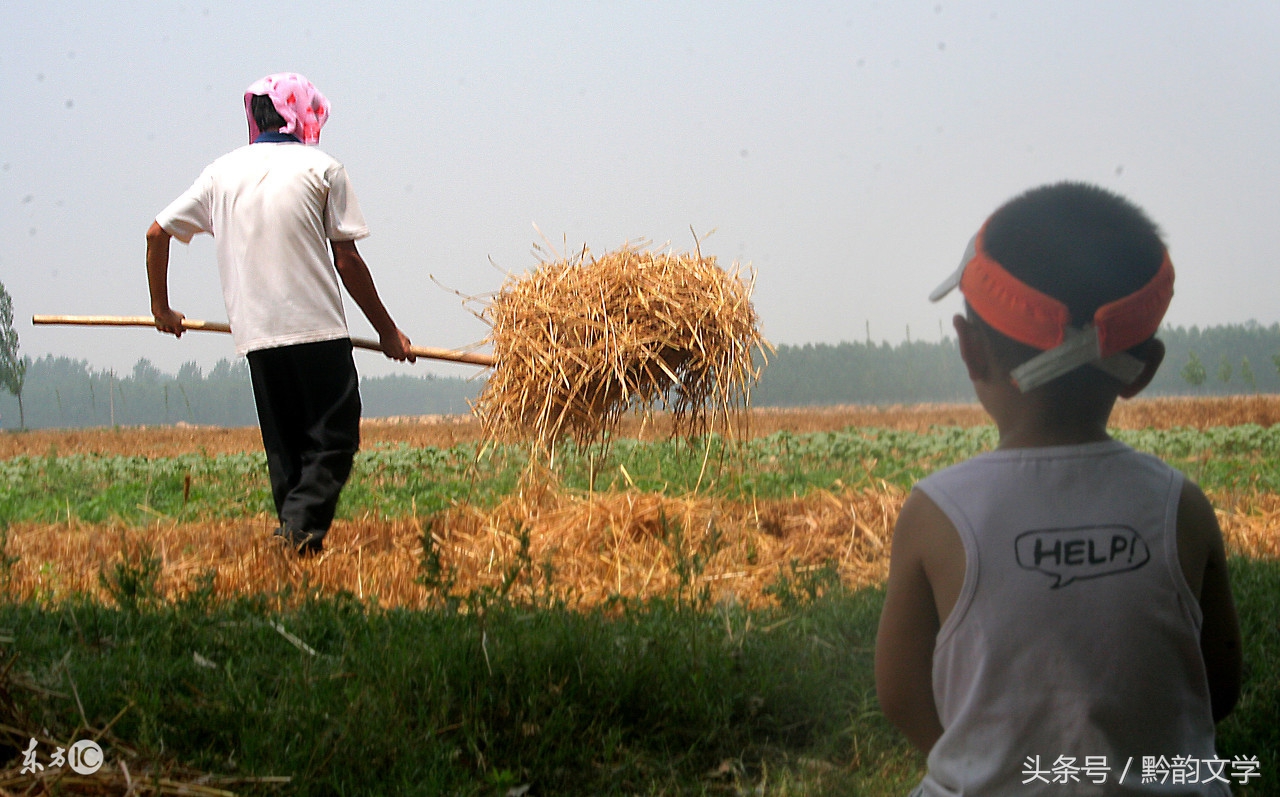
<point>806,487</point>
<point>695,615</point>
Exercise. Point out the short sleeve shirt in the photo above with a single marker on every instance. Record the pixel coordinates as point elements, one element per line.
<point>272,208</point>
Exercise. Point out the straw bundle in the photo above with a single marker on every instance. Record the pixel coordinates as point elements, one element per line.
<point>581,340</point>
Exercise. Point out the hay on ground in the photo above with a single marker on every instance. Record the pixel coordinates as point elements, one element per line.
<point>581,340</point>
<point>599,546</point>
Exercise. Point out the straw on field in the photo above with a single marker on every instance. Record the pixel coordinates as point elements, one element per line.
<point>599,546</point>
<point>581,340</point>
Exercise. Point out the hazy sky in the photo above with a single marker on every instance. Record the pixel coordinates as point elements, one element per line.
<point>846,151</point>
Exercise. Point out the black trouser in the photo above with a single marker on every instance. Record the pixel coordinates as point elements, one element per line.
<point>308,399</point>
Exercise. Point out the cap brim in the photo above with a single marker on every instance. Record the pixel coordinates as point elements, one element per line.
<point>953,281</point>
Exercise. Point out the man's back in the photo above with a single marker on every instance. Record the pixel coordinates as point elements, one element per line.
<point>272,208</point>
<point>1075,632</point>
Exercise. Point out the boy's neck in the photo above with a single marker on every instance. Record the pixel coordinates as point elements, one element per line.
<point>1040,435</point>
<point>1039,420</point>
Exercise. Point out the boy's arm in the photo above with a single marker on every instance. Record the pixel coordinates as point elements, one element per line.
<point>167,319</point>
<point>359,283</point>
<point>1200,546</point>
<point>909,629</point>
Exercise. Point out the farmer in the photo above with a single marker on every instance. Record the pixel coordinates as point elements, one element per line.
<point>272,206</point>
<point>1064,597</point>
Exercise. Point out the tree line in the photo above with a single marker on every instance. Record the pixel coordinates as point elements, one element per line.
<point>1219,360</point>
<point>65,392</point>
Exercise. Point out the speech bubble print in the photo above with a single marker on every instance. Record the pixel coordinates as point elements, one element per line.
<point>1078,553</point>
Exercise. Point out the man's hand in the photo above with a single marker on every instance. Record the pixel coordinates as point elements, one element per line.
<point>169,320</point>
<point>397,347</point>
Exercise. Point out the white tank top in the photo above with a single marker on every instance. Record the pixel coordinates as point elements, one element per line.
<point>1075,635</point>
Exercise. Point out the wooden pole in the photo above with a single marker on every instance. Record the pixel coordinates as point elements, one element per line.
<point>469,357</point>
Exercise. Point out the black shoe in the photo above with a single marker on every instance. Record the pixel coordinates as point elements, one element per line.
<point>306,543</point>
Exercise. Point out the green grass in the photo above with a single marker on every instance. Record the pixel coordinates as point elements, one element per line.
<point>634,699</point>
<point>396,481</point>
<point>647,698</point>
<point>1253,730</point>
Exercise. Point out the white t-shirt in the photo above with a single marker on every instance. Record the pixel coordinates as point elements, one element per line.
<point>272,208</point>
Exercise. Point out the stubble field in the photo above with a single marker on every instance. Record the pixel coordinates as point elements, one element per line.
<point>804,489</point>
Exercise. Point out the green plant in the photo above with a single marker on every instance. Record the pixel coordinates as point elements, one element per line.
<point>47,583</point>
<point>434,574</point>
<point>690,561</point>
<point>7,560</point>
<point>201,596</point>
<point>132,582</point>
<point>800,585</point>
<point>504,595</point>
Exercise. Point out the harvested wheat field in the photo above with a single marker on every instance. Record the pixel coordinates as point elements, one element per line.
<point>448,430</point>
<point>598,547</point>
<point>582,547</point>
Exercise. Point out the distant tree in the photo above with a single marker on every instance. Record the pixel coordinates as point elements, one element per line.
<point>1194,371</point>
<point>1224,370</point>
<point>13,368</point>
<point>1247,375</point>
<point>190,372</point>
<point>1275,360</point>
<point>145,372</point>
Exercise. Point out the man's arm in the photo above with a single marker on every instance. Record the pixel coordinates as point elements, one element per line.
<point>1204,555</point>
<point>908,631</point>
<point>359,283</point>
<point>167,319</point>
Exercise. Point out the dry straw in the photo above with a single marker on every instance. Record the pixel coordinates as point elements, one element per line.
<point>581,340</point>
<point>599,545</point>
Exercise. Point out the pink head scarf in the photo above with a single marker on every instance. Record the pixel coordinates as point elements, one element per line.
<point>301,105</point>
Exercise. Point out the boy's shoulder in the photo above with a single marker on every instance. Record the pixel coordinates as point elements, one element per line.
<point>994,469</point>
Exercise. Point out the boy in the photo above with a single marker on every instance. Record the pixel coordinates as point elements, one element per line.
<point>274,208</point>
<point>1062,597</point>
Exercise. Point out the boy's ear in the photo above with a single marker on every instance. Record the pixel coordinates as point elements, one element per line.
<point>973,349</point>
<point>1151,358</point>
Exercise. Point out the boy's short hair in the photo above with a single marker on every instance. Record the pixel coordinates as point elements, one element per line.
<point>264,113</point>
<point>1078,243</point>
